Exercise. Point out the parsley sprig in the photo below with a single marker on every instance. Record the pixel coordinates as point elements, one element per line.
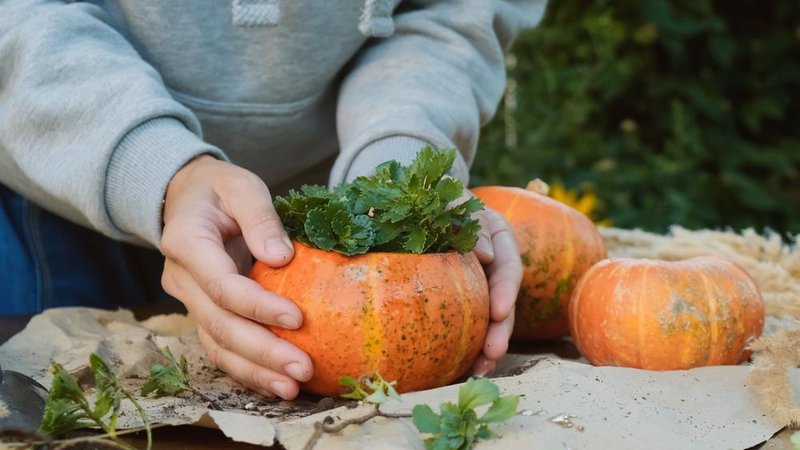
<point>399,209</point>
<point>457,426</point>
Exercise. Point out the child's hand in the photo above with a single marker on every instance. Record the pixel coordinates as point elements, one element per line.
<point>214,212</point>
<point>497,250</point>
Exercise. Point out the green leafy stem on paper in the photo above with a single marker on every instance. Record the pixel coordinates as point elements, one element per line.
<point>456,427</point>
<point>172,379</point>
<point>405,209</point>
<point>373,390</point>
<point>67,408</point>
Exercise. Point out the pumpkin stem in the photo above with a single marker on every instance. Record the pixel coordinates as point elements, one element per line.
<point>538,186</point>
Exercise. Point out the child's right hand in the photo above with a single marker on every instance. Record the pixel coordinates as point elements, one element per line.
<point>215,216</point>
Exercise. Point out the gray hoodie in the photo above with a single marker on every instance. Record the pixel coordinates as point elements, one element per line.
<point>102,102</point>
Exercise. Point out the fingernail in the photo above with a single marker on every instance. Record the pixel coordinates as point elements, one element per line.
<point>288,321</point>
<point>279,387</point>
<point>278,247</point>
<point>295,370</point>
<point>482,368</point>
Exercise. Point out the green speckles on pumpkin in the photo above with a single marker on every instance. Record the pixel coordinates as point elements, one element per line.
<point>543,267</point>
<point>526,260</point>
<point>682,317</point>
<point>548,309</point>
<point>562,288</point>
<point>552,306</point>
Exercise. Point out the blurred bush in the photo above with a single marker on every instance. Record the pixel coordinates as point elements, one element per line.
<point>670,112</point>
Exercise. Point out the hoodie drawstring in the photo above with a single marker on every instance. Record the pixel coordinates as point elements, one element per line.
<point>256,13</point>
<point>375,21</point>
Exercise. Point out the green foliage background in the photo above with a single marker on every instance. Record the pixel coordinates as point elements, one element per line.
<point>672,112</point>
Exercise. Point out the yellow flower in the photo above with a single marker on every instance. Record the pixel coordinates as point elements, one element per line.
<point>585,203</point>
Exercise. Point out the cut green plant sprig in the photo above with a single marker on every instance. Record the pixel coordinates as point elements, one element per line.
<point>168,380</point>
<point>372,389</point>
<point>457,426</point>
<point>67,408</point>
<point>172,379</point>
<point>399,209</point>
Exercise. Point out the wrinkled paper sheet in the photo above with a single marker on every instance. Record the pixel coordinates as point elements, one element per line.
<point>604,407</point>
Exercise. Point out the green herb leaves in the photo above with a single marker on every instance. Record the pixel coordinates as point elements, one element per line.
<point>168,380</point>
<point>457,426</point>
<point>67,408</point>
<point>172,379</point>
<point>399,209</point>
<point>372,389</point>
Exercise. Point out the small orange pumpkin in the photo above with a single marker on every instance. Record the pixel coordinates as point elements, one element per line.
<point>417,319</point>
<point>557,245</point>
<point>663,315</point>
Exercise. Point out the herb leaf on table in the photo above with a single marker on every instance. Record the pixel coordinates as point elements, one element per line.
<point>457,426</point>
<point>68,409</point>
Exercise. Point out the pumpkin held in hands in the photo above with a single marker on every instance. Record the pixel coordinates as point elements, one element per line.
<point>557,245</point>
<point>662,315</point>
<point>420,319</point>
<point>384,276</point>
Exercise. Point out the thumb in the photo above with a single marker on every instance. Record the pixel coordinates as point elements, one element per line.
<point>484,249</point>
<point>249,202</point>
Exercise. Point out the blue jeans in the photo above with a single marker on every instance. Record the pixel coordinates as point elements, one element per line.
<point>46,261</point>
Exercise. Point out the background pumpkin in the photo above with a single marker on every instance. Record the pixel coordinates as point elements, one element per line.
<point>663,315</point>
<point>557,245</point>
<point>417,319</point>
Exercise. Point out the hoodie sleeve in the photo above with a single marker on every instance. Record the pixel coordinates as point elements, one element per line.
<point>435,81</point>
<point>87,128</point>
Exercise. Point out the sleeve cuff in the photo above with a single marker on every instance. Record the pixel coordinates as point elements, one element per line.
<point>402,149</point>
<point>140,170</point>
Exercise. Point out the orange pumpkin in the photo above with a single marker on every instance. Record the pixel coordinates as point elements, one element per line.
<point>417,319</point>
<point>663,315</point>
<point>557,245</point>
